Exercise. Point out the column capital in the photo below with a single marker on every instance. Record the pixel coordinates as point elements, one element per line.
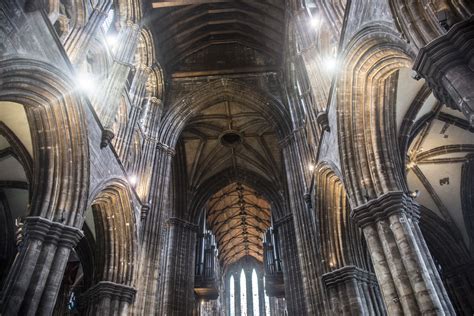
<point>110,289</point>
<point>442,55</point>
<point>48,231</point>
<point>384,206</point>
<point>348,274</point>
<point>174,221</point>
<point>165,148</point>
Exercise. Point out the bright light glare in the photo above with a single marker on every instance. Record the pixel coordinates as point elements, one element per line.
<point>111,40</point>
<point>85,81</point>
<point>331,64</point>
<point>314,22</point>
<point>132,180</point>
<point>311,167</point>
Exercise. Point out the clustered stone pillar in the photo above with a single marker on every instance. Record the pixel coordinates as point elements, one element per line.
<point>406,273</point>
<point>78,42</point>
<point>153,237</point>
<point>294,293</point>
<point>353,291</point>
<point>108,99</point>
<point>136,93</point>
<point>309,252</point>
<point>35,277</point>
<point>178,294</point>
<point>108,298</point>
<point>446,64</point>
<point>150,116</point>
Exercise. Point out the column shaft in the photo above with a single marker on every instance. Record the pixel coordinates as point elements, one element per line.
<point>349,291</point>
<point>153,236</point>
<point>401,261</point>
<point>294,293</point>
<point>77,43</point>
<point>107,101</point>
<point>179,274</point>
<point>39,267</point>
<point>305,228</point>
<point>108,298</point>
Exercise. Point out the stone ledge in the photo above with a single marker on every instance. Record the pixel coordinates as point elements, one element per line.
<point>348,274</point>
<point>109,289</point>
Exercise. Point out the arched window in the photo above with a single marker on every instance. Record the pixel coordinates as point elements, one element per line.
<point>255,298</point>
<point>232,296</point>
<point>267,300</point>
<point>243,294</point>
<point>246,293</point>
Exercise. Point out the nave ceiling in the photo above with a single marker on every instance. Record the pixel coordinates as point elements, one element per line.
<point>238,216</point>
<point>208,34</point>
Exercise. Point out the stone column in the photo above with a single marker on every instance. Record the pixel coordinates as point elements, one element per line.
<point>151,113</point>
<point>153,234</point>
<point>294,293</point>
<point>125,137</point>
<point>446,64</point>
<point>107,100</point>
<point>306,233</point>
<point>179,274</point>
<point>406,273</point>
<point>353,291</point>
<point>77,43</point>
<point>35,277</point>
<point>108,298</point>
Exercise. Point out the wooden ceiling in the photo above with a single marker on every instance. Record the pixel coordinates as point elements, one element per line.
<point>238,216</point>
<point>184,27</point>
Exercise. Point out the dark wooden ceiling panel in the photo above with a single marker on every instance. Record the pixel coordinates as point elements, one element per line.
<point>183,28</point>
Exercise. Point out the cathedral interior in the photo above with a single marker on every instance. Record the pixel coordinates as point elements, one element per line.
<point>236,157</point>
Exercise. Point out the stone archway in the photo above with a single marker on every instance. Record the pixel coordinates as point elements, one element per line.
<point>59,181</point>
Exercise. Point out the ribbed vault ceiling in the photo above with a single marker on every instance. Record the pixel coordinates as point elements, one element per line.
<point>182,30</point>
<point>206,154</point>
<point>438,153</point>
<point>238,216</point>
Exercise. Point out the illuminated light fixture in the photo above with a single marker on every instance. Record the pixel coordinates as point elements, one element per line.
<point>111,40</point>
<point>86,82</point>
<point>132,180</point>
<point>311,167</point>
<point>415,194</point>
<point>330,64</point>
<point>314,22</point>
